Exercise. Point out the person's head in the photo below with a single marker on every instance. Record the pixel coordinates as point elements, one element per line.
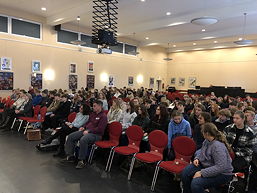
<point>161,111</point>
<point>22,93</point>
<point>198,109</point>
<point>37,92</point>
<point>84,109</point>
<point>249,115</point>
<point>219,99</point>
<point>28,96</point>
<point>204,117</point>
<point>130,107</point>
<point>214,109</point>
<point>64,98</point>
<point>148,103</point>
<point>210,132</point>
<point>239,118</point>
<point>102,96</point>
<point>233,104</point>
<point>97,106</point>
<point>180,106</point>
<point>45,93</point>
<point>116,104</point>
<point>81,98</point>
<point>57,97</point>
<point>136,101</point>
<point>224,115</point>
<point>141,110</point>
<point>177,117</point>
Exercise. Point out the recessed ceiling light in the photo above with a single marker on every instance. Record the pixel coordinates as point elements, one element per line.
<point>198,49</point>
<point>194,44</point>
<point>43,8</point>
<point>78,18</point>
<point>176,23</point>
<point>147,38</point>
<point>57,20</point>
<point>204,21</point>
<point>240,39</point>
<point>179,50</point>
<point>215,42</point>
<point>142,0</point>
<point>168,13</point>
<point>174,46</point>
<point>206,38</point>
<point>203,30</point>
<point>219,47</point>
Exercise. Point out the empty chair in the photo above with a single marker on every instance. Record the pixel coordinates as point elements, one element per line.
<point>135,135</point>
<point>184,148</point>
<point>114,130</point>
<point>158,142</point>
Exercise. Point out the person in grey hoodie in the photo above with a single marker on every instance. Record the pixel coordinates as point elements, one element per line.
<point>212,165</point>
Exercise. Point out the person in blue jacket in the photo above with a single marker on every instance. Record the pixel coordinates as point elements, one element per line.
<point>37,98</point>
<point>178,126</point>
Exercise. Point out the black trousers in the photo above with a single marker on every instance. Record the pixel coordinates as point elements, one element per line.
<point>239,164</point>
<point>62,133</point>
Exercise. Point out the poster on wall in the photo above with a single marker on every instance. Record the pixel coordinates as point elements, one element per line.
<point>6,63</point>
<point>37,80</point>
<point>181,82</point>
<point>73,68</point>
<point>73,82</point>
<point>36,66</point>
<point>173,81</point>
<point>151,83</point>
<point>6,80</point>
<point>111,81</point>
<point>90,66</point>
<point>130,81</point>
<point>192,82</point>
<point>90,81</point>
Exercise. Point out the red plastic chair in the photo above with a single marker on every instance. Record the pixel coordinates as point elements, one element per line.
<point>72,117</point>
<point>184,148</point>
<point>115,130</point>
<point>7,104</point>
<point>36,120</point>
<point>158,141</point>
<point>21,119</point>
<point>135,135</point>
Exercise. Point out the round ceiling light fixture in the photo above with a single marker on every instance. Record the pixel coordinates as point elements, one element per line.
<point>204,21</point>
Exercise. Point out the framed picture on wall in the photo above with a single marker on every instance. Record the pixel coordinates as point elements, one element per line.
<point>73,68</point>
<point>73,81</point>
<point>36,66</point>
<point>90,81</point>
<point>111,81</point>
<point>6,80</point>
<point>37,80</point>
<point>181,82</point>
<point>6,63</point>
<point>130,80</point>
<point>90,66</point>
<point>173,81</point>
<point>192,82</point>
<point>151,83</point>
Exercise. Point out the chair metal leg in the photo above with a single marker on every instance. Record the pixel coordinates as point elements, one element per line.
<point>94,147</point>
<point>110,164</point>
<point>109,158</point>
<point>131,166</point>
<point>26,128</point>
<point>248,178</point>
<point>21,121</point>
<point>13,123</point>
<point>156,172</point>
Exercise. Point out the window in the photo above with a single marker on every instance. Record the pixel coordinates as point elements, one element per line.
<point>3,24</point>
<point>66,36</point>
<point>25,28</point>
<point>117,48</point>
<point>87,39</point>
<point>131,50</point>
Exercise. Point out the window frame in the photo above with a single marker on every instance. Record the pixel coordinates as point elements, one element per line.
<point>8,30</point>
<point>130,54</point>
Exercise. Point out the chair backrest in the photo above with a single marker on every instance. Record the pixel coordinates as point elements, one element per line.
<point>135,135</point>
<point>72,117</point>
<point>9,103</point>
<point>158,142</point>
<point>36,111</point>
<point>4,100</point>
<point>184,148</point>
<point>43,113</point>
<point>115,130</point>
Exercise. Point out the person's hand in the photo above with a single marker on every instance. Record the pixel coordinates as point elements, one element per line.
<point>67,123</point>
<point>145,134</point>
<point>81,129</point>
<point>52,115</point>
<point>196,162</point>
<point>85,132</point>
<point>197,174</point>
<point>70,126</point>
<point>17,111</point>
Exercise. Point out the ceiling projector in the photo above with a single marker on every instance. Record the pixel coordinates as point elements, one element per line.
<point>104,50</point>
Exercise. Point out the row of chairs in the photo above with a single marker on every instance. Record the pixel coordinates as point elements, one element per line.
<point>7,102</point>
<point>184,149</point>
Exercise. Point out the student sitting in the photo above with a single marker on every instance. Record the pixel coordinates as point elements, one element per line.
<point>115,112</point>
<point>142,118</point>
<point>92,132</point>
<point>212,164</point>
<point>178,126</point>
<point>193,119</point>
<point>181,108</point>
<point>241,138</point>
<point>38,98</point>
<point>197,134</point>
<point>67,128</point>
<point>128,116</point>
<point>223,120</point>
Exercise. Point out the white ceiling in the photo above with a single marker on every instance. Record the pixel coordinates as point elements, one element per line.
<point>149,19</point>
